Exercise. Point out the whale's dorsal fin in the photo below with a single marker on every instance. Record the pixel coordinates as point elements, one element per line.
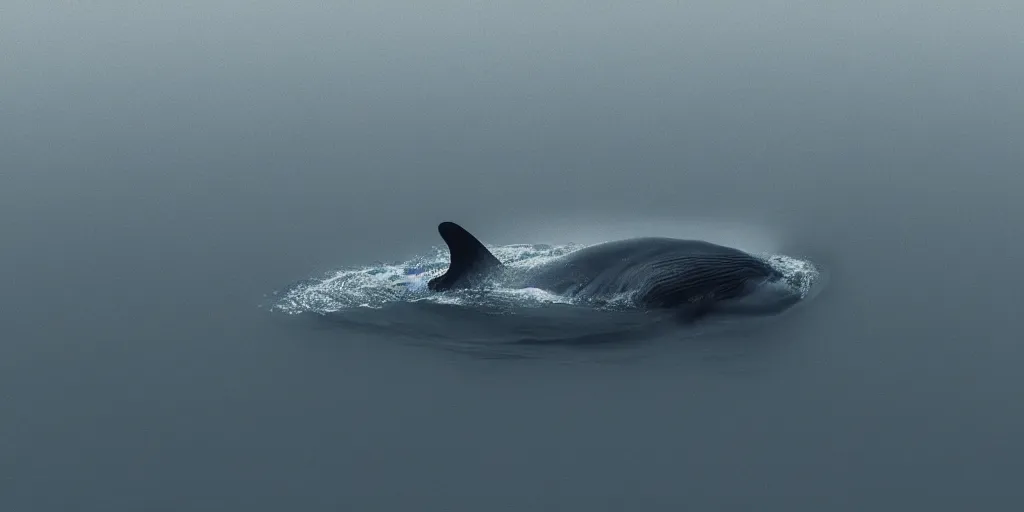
<point>469,258</point>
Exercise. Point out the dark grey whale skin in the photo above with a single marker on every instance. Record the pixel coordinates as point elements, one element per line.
<point>691,275</point>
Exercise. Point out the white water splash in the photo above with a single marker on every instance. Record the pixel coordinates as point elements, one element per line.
<point>801,275</point>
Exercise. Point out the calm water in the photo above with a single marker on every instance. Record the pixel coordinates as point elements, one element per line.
<point>164,171</point>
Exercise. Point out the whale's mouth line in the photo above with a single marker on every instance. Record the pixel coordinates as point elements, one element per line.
<point>378,286</point>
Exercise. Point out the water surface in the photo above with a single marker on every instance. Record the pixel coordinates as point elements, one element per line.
<point>165,170</point>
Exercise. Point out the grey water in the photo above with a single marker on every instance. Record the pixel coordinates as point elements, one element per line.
<point>165,170</point>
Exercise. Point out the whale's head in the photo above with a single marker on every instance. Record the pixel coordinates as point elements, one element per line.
<point>723,281</point>
<point>764,296</point>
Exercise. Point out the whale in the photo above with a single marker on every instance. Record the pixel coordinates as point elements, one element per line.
<point>693,277</point>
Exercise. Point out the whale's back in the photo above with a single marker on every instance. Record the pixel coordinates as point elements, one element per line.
<point>653,272</point>
<point>657,272</point>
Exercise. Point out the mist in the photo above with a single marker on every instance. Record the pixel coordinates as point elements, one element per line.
<point>164,169</point>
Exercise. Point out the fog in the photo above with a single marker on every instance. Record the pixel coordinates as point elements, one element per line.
<point>165,168</point>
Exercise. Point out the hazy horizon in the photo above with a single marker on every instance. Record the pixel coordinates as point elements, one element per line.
<point>164,169</point>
